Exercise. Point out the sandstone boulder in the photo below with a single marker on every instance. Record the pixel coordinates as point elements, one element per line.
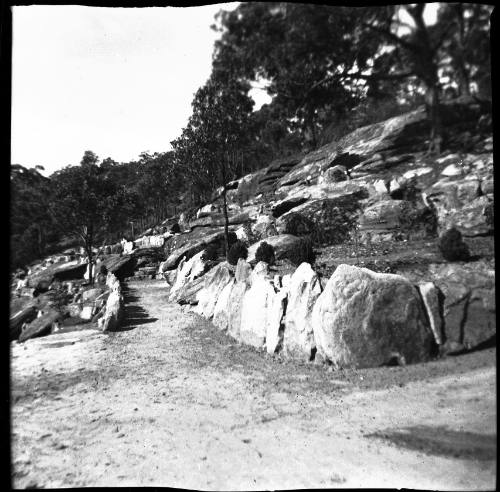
<point>366,319</point>
<point>304,289</point>
<point>222,307</point>
<point>16,321</point>
<point>235,301</point>
<point>256,307</point>
<point>40,326</point>
<point>214,284</point>
<point>283,245</point>
<point>187,271</point>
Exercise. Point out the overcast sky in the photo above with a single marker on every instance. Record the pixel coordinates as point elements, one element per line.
<point>117,81</point>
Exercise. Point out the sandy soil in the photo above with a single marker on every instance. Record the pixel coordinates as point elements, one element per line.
<point>171,401</point>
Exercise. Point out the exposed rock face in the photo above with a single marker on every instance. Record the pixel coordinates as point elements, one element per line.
<point>257,307</point>
<point>40,326</point>
<point>283,244</point>
<point>25,315</point>
<point>460,204</point>
<point>389,219</point>
<point>275,171</point>
<point>304,289</point>
<point>333,217</point>
<point>215,281</point>
<point>187,245</point>
<point>469,303</point>
<point>365,319</point>
<point>187,271</point>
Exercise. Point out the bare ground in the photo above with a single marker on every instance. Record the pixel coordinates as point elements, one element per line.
<point>171,401</point>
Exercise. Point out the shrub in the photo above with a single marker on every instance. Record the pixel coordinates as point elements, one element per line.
<point>175,229</point>
<point>103,269</point>
<point>298,225</point>
<point>303,251</point>
<point>236,251</point>
<point>211,253</point>
<point>452,246</point>
<point>265,252</point>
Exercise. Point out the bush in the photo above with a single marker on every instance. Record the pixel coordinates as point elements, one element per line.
<point>298,225</point>
<point>236,251</point>
<point>175,229</point>
<point>265,252</point>
<point>452,246</point>
<point>303,251</point>
<point>211,253</point>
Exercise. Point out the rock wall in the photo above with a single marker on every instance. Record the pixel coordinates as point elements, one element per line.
<point>360,318</point>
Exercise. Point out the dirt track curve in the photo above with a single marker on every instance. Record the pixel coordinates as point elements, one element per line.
<point>171,401</point>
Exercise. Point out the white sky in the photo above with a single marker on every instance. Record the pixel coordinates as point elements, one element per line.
<point>117,81</point>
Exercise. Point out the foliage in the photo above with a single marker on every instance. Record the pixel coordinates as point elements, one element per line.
<point>87,204</point>
<point>236,251</point>
<point>211,253</point>
<point>452,246</point>
<point>298,224</point>
<point>415,218</point>
<point>175,229</point>
<point>302,251</point>
<point>31,229</point>
<point>265,252</point>
<point>319,62</point>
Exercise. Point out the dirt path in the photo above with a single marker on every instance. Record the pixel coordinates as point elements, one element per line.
<point>171,401</point>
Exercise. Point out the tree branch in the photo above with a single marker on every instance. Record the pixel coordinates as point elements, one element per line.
<point>388,34</point>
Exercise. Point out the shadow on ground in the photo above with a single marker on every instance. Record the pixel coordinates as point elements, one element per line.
<point>441,441</point>
<point>134,315</point>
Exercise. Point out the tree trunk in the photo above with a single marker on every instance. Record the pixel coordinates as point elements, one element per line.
<point>224,209</point>
<point>432,106</point>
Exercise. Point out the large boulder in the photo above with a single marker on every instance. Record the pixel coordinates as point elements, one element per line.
<point>40,326</point>
<point>214,284</point>
<point>257,307</point>
<point>187,271</point>
<point>367,319</point>
<point>188,244</point>
<point>16,321</point>
<point>283,244</point>
<point>222,307</point>
<point>235,300</point>
<point>303,290</point>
